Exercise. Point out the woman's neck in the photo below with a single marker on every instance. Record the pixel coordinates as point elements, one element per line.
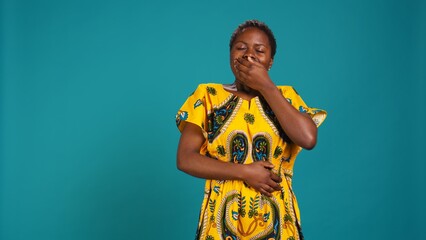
<point>245,89</point>
<point>242,90</point>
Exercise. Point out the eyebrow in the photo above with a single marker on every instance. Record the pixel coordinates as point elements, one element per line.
<point>257,44</point>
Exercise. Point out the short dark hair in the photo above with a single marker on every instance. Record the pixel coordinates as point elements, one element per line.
<point>259,25</point>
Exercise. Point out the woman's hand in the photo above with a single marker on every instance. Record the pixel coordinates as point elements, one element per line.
<point>252,73</point>
<point>299,127</point>
<point>259,176</point>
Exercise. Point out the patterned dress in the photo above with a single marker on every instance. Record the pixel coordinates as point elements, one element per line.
<point>243,131</point>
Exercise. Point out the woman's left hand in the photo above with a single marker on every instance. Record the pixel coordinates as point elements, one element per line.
<point>252,73</point>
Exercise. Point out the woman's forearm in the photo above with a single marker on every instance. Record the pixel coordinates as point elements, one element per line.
<point>205,167</point>
<point>298,126</point>
<point>189,160</point>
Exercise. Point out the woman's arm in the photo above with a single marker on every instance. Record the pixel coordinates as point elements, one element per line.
<point>189,160</point>
<point>299,127</point>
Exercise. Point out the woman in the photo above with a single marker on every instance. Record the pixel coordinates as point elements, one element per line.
<point>243,138</point>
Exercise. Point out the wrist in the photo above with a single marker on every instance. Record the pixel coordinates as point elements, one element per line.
<point>240,170</point>
<point>268,88</point>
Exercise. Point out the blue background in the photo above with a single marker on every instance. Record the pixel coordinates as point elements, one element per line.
<point>89,92</point>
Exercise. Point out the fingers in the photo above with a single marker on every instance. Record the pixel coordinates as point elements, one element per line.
<point>243,62</point>
<point>270,166</point>
<point>262,178</point>
<point>241,74</point>
<point>266,190</point>
<point>241,70</point>
<point>274,185</point>
<point>249,62</point>
<point>276,178</point>
<point>251,59</point>
<point>242,65</point>
<point>250,71</point>
<point>266,164</point>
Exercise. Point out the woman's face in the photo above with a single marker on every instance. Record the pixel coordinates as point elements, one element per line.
<point>254,43</point>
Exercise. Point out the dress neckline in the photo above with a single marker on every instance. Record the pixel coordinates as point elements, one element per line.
<point>232,94</point>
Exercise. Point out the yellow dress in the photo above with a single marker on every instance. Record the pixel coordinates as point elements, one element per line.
<point>242,131</point>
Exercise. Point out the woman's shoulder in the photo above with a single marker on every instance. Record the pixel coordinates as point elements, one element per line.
<point>286,89</point>
<point>213,85</point>
<point>210,88</point>
<point>290,93</point>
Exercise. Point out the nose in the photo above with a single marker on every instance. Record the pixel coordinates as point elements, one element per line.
<point>248,53</point>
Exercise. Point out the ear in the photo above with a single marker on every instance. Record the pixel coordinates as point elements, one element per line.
<point>270,63</point>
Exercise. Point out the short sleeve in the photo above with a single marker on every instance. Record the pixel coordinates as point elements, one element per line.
<point>193,110</point>
<point>317,115</point>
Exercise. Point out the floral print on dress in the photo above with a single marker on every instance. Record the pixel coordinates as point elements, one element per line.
<point>243,133</point>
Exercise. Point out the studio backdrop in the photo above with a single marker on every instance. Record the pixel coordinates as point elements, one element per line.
<point>89,91</point>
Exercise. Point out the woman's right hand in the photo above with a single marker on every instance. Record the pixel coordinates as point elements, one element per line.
<point>259,176</point>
